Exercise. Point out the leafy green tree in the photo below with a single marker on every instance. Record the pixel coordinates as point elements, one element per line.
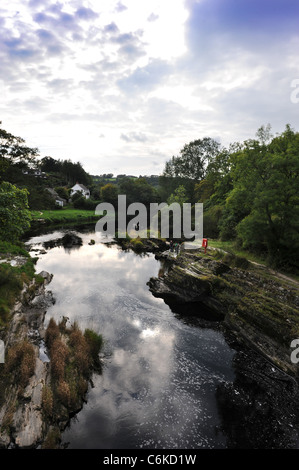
<point>194,159</point>
<point>264,202</point>
<point>138,190</point>
<point>190,167</point>
<point>179,196</point>
<point>14,214</point>
<point>62,192</point>
<point>109,193</point>
<point>13,151</point>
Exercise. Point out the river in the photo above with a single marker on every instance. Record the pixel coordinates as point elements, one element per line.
<point>164,374</point>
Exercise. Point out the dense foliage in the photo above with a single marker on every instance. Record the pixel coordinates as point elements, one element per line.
<point>249,192</point>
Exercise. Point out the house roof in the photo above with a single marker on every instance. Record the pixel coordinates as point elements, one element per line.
<point>82,186</point>
<point>55,195</point>
<point>52,192</point>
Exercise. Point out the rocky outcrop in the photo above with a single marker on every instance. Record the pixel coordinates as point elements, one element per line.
<point>69,240</point>
<point>260,308</point>
<point>188,286</point>
<point>143,245</point>
<point>21,417</point>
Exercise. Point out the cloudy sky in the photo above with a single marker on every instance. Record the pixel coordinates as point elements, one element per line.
<point>121,86</point>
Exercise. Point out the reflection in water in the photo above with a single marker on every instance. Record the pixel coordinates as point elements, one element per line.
<point>259,409</point>
<point>164,382</point>
<point>160,374</point>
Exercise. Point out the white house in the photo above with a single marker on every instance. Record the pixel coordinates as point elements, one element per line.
<point>80,188</point>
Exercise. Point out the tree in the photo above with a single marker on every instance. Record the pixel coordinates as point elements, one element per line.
<point>14,214</point>
<point>109,193</point>
<point>179,196</point>
<point>194,159</point>
<point>264,201</point>
<point>138,190</point>
<point>14,151</point>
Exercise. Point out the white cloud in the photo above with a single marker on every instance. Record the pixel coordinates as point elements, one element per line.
<point>122,86</point>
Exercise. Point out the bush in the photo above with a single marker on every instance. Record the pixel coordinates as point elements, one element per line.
<point>52,333</point>
<point>47,401</point>
<point>58,355</point>
<point>7,276</point>
<point>21,361</point>
<point>81,350</point>
<point>241,262</point>
<point>137,244</point>
<point>95,343</point>
<point>64,393</point>
<point>235,261</point>
<point>86,204</point>
<point>4,312</point>
<point>211,220</point>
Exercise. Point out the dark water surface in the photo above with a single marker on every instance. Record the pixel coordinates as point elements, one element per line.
<point>161,372</point>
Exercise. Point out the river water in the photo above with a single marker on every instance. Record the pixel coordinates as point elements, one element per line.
<point>162,372</point>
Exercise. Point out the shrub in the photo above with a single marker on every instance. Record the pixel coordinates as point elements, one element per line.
<point>52,440</point>
<point>58,355</point>
<point>47,401</point>
<point>4,312</point>
<point>52,333</point>
<point>81,350</point>
<point>236,261</point>
<point>63,392</point>
<point>21,361</point>
<point>241,262</point>
<point>95,343</point>
<point>137,244</point>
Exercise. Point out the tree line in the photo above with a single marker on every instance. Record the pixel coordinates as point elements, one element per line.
<point>249,190</point>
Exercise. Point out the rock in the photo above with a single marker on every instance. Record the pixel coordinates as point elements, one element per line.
<point>69,240</point>
<point>261,309</point>
<point>28,420</point>
<point>188,286</point>
<point>25,428</point>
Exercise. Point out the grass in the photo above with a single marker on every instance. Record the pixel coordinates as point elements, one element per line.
<point>230,247</point>
<point>74,355</point>
<point>65,214</point>
<point>13,278</point>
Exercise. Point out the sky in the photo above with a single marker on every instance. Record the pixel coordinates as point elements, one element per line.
<point>122,86</point>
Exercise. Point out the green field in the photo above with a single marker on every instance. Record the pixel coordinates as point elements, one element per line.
<point>64,215</point>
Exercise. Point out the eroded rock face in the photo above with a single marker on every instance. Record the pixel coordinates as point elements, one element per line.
<point>189,287</point>
<point>260,308</point>
<point>22,414</point>
<point>28,420</point>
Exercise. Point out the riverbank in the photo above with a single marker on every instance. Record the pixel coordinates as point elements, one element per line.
<point>260,308</point>
<point>38,392</point>
<point>62,216</point>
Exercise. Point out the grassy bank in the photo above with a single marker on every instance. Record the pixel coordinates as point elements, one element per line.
<point>63,215</point>
<point>230,247</point>
<point>16,268</point>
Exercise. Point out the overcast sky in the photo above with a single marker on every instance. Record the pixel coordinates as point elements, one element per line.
<point>121,86</point>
